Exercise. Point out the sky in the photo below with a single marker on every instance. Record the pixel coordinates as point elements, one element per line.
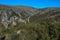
<point>32,3</point>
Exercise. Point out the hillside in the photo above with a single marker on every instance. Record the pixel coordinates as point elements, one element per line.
<point>28,23</point>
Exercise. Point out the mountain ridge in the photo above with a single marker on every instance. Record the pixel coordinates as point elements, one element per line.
<point>21,14</point>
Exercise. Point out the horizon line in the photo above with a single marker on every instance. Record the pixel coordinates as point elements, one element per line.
<point>29,6</point>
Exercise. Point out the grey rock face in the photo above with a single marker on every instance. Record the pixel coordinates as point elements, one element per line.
<point>15,14</point>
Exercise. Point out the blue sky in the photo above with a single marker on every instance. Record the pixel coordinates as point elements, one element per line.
<point>33,3</point>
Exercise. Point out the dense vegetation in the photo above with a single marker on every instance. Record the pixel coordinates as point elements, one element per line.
<point>32,31</point>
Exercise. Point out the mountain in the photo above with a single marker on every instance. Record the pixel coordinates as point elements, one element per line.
<point>28,23</point>
<point>13,14</point>
<point>47,13</point>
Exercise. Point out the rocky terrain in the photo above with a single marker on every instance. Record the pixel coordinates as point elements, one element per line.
<point>28,23</point>
<point>12,15</point>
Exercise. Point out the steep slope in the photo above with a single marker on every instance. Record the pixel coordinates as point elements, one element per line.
<point>12,14</point>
